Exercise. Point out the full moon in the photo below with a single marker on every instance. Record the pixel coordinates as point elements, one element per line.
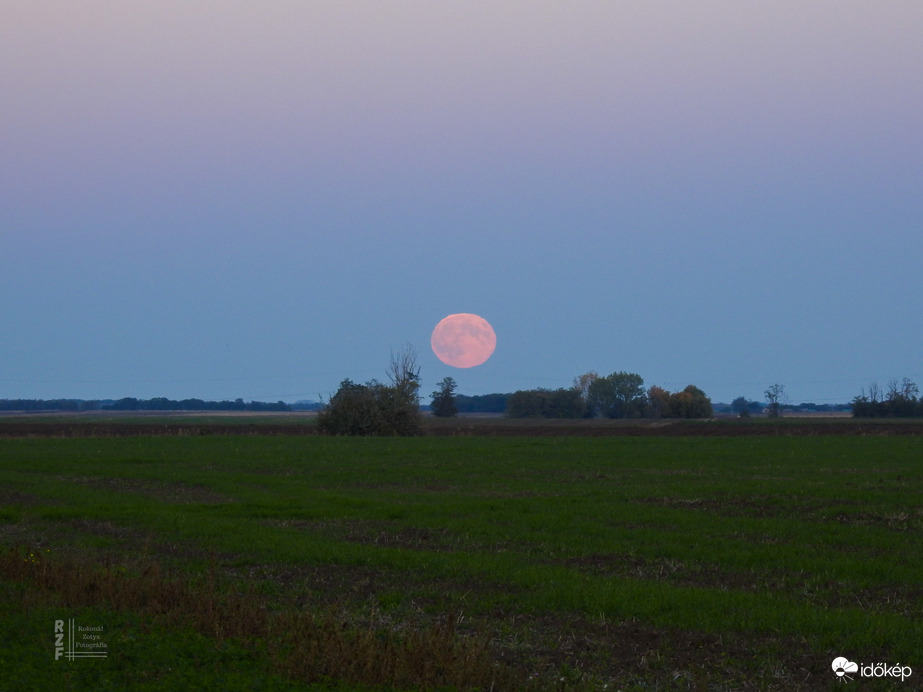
<point>463,340</point>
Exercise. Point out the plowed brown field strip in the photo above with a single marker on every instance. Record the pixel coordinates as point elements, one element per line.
<point>479,428</point>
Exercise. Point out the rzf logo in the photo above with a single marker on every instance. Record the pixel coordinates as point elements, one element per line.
<point>73,641</point>
<point>58,639</point>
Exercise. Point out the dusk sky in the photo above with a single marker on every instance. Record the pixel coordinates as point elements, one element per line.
<point>258,200</point>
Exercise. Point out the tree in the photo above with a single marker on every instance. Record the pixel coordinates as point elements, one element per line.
<point>481,403</point>
<point>524,403</point>
<point>775,396</point>
<point>565,403</point>
<point>619,395</point>
<point>402,398</point>
<point>545,403</point>
<point>582,385</point>
<point>690,403</point>
<point>901,400</point>
<point>443,404</point>
<point>403,370</point>
<point>658,402</point>
<point>374,408</point>
<point>741,407</point>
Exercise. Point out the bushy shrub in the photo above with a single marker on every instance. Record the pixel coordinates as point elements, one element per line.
<point>371,409</point>
<point>374,408</point>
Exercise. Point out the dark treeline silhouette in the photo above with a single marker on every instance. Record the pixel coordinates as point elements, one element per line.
<point>49,405</point>
<point>900,401</point>
<point>619,395</point>
<point>132,404</point>
<point>546,403</point>
<point>164,404</point>
<point>481,403</point>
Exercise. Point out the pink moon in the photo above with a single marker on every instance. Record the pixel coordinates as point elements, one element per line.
<point>463,340</point>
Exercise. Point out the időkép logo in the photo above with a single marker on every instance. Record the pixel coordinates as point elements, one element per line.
<point>846,669</point>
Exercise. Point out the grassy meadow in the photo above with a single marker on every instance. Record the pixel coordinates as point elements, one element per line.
<point>249,562</point>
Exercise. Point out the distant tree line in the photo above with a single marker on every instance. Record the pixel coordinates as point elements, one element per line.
<point>33,405</point>
<point>619,395</point>
<point>481,403</point>
<point>744,408</point>
<point>306,405</point>
<point>901,400</point>
<point>550,404</point>
<point>132,404</point>
<point>545,403</point>
<point>810,407</point>
<point>164,404</point>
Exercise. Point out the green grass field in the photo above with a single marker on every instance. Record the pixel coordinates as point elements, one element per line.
<point>635,563</point>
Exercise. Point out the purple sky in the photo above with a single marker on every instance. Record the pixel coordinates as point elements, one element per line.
<point>248,200</point>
